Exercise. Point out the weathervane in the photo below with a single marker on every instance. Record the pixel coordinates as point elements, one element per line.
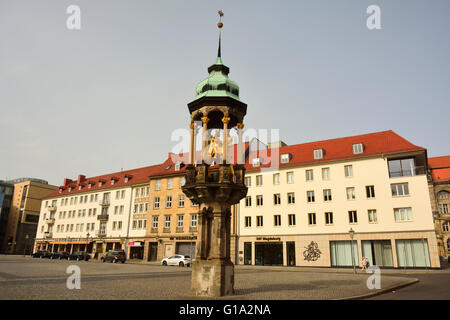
<point>220,24</point>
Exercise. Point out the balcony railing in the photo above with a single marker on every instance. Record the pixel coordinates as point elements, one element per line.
<point>105,202</point>
<point>100,233</point>
<point>103,217</point>
<point>410,172</point>
<point>48,234</point>
<point>52,208</point>
<point>50,220</point>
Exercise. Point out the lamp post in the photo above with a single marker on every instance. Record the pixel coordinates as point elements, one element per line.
<point>192,239</point>
<point>352,234</point>
<point>87,244</point>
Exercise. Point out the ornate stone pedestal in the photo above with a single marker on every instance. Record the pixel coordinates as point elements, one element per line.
<point>215,190</point>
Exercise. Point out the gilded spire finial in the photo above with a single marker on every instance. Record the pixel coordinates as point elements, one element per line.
<point>220,24</point>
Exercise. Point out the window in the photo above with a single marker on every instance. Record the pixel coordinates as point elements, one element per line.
<point>328,218</point>
<point>182,181</point>
<point>248,181</point>
<point>158,184</point>
<point>285,158</point>
<point>276,199</point>
<point>180,221</point>
<point>256,162</point>
<point>402,214</point>
<point>259,200</point>
<point>445,226</point>
<point>358,148</point>
<point>318,153</point>
<point>248,201</point>
<point>117,194</point>
<point>194,221</point>
<point>291,197</point>
<point>310,196</point>
<point>116,209</point>
<point>155,222</point>
<point>311,218</point>
<point>351,193</point>
<point>290,177</point>
<point>399,189</point>
<point>370,192</point>
<point>277,220</point>
<point>114,225</point>
<point>276,178</point>
<point>259,180</point>
<point>443,195</point>
<point>401,168</point>
<point>248,222</point>
<point>325,173</point>
<point>121,209</point>
<point>181,200</point>
<point>259,221</point>
<point>169,183</point>
<point>167,222</point>
<point>136,208</point>
<point>156,203</point>
<point>169,202</point>
<point>348,171</point>
<point>119,225</point>
<point>309,175</point>
<point>352,217</point>
<point>291,219</point>
<point>372,213</point>
<point>177,166</point>
<point>443,208</point>
<point>327,195</point>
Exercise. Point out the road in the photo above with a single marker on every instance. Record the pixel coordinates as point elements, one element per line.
<point>38,279</point>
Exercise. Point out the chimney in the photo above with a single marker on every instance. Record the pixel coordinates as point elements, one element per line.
<point>81,179</point>
<point>67,182</point>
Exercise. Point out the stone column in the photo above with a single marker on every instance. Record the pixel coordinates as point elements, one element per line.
<point>240,148</point>
<point>192,155</point>
<point>225,121</point>
<point>205,121</point>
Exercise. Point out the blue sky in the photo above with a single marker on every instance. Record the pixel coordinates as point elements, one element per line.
<point>109,96</point>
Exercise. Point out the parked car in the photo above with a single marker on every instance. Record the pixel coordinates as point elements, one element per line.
<point>177,260</point>
<point>60,255</point>
<point>41,254</point>
<point>79,256</point>
<point>114,256</point>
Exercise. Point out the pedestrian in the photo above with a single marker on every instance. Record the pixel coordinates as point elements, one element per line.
<point>365,263</point>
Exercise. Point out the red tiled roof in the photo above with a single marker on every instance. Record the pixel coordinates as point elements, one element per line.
<point>135,176</point>
<point>378,143</point>
<point>440,168</point>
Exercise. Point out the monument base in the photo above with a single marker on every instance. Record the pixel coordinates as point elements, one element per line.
<point>212,278</point>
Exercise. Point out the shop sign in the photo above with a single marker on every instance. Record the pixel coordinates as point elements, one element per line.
<point>268,239</point>
<point>135,244</point>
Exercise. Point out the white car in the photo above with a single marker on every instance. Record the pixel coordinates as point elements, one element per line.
<point>177,260</point>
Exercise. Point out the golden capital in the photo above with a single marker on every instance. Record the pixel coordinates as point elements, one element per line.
<point>240,126</point>
<point>205,120</point>
<point>226,120</point>
<point>192,125</point>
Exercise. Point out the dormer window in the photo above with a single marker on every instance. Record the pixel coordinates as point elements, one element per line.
<point>358,148</point>
<point>126,179</point>
<point>79,187</point>
<point>70,189</point>
<point>318,154</point>
<point>177,166</point>
<point>100,183</point>
<point>285,158</point>
<point>112,181</point>
<point>60,190</point>
<point>256,162</point>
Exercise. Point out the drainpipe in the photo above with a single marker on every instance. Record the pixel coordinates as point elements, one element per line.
<point>128,227</point>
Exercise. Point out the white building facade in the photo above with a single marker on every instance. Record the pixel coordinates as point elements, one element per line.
<point>371,187</point>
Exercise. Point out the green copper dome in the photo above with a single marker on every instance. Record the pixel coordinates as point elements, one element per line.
<point>218,84</point>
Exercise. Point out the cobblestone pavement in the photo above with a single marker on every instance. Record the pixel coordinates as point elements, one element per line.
<point>28,278</point>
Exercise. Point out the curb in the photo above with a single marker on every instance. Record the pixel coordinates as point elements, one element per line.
<point>381,291</point>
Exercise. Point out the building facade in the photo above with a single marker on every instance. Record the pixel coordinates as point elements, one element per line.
<point>6,194</point>
<point>305,212</point>
<point>92,214</point>
<point>24,214</point>
<point>440,201</point>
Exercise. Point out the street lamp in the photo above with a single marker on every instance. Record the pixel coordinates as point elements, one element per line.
<point>192,238</point>
<point>352,234</point>
<point>87,244</point>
